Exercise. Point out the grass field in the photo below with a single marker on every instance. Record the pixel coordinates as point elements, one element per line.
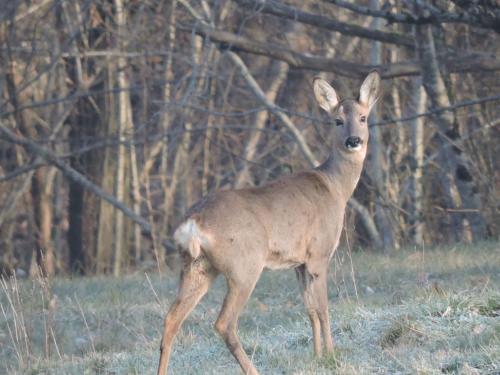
<point>429,311</point>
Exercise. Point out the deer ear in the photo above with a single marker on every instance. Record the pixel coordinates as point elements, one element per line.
<point>370,90</point>
<point>325,95</point>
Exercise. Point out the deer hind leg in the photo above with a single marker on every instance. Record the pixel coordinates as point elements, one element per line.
<point>196,278</point>
<point>304,279</point>
<point>227,322</point>
<point>314,292</point>
<point>320,291</point>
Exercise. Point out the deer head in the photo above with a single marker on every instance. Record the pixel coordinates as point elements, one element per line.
<point>349,115</point>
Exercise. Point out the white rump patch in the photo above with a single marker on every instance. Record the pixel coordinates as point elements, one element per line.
<point>189,236</point>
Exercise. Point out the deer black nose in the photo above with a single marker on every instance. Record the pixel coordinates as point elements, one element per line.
<point>353,142</point>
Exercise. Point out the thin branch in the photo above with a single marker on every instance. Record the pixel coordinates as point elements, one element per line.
<point>29,12</point>
<point>366,11</point>
<point>21,170</point>
<point>90,53</point>
<point>484,17</point>
<point>465,63</point>
<point>367,219</point>
<point>285,11</point>
<point>439,110</point>
<point>254,86</point>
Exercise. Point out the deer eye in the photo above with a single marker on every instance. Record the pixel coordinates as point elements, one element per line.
<point>339,122</point>
<point>363,118</point>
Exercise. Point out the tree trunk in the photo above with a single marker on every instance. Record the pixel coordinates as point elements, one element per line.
<point>208,133</point>
<point>456,181</point>
<point>162,147</point>
<point>42,208</point>
<point>125,128</point>
<point>41,198</point>
<point>379,166</point>
<point>89,220</point>
<point>417,150</point>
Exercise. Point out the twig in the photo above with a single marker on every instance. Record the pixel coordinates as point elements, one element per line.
<point>153,290</point>
<point>434,15</point>
<point>325,22</point>
<point>86,324</point>
<point>353,276</point>
<point>435,111</point>
<point>272,107</point>
<point>55,343</point>
<point>13,337</point>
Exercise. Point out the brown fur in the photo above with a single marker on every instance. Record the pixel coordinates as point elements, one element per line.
<point>295,221</point>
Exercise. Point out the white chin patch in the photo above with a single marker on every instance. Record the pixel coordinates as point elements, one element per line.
<point>353,149</point>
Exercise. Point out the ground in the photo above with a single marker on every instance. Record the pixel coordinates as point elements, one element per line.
<point>428,311</point>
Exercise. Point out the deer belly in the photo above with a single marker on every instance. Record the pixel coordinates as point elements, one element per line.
<point>287,251</point>
<point>283,259</point>
<point>276,262</point>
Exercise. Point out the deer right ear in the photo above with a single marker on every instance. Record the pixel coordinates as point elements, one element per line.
<point>325,95</point>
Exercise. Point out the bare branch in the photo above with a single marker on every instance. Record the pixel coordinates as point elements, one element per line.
<point>465,103</point>
<point>271,106</point>
<point>282,10</point>
<point>484,16</point>
<point>367,219</point>
<point>21,170</point>
<point>470,62</point>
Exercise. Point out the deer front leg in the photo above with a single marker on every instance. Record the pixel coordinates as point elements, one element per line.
<point>227,322</point>
<point>195,281</point>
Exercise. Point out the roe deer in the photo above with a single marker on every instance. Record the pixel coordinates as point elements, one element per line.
<point>295,221</point>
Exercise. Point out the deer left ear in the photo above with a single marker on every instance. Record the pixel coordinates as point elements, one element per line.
<point>370,90</point>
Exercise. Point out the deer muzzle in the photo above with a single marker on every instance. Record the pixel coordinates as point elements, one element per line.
<point>353,143</point>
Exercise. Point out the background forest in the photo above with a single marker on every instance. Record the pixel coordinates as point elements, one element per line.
<point>117,115</point>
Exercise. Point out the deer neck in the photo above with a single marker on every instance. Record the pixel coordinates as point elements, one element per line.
<point>343,173</point>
